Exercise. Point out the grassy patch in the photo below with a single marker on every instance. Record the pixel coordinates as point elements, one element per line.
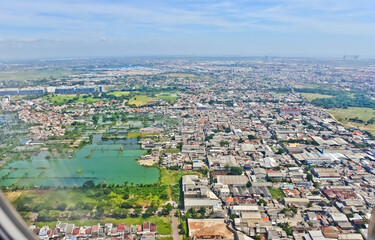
<point>168,97</point>
<point>312,86</point>
<point>181,75</point>
<point>276,193</point>
<point>119,93</point>
<point>171,150</point>
<point>138,134</point>
<point>312,96</point>
<point>164,238</point>
<point>35,74</point>
<point>364,114</point>
<point>65,99</point>
<point>140,100</point>
<point>170,177</point>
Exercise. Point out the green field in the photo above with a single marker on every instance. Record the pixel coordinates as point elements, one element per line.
<point>180,75</point>
<point>172,150</point>
<point>119,93</point>
<point>164,238</point>
<point>312,86</point>
<point>170,177</point>
<point>59,100</point>
<point>138,134</point>
<point>312,96</point>
<point>168,97</point>
<point>35,74</point>
<point>343,115</point>
<point>276,193</point>
<point>140,100</point>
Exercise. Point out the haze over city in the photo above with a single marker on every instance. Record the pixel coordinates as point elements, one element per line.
<point>292,28</point>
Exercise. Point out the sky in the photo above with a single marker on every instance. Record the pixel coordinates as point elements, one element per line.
<point>94,28</point>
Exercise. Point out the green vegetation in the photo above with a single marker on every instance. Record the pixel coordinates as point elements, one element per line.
<point>339,99</point>
<point>312,96</point>
<point>59,100</point>
<point>172,150</point>
<point>170,177</point>
<point>181,75</point>
<point>164,238</point>
<point>287,228</point>
<point>310,86</point>
<point>362,118</point>
<point>140,100</point>
<point>168,97</point>
<point>276,193</point>
<point>235,171</point>
<point>35,74</point>
<point>119,93</point>
<point>99,202</point>
<point>139,135</point>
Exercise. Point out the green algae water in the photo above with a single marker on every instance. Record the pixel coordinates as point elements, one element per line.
<point>102,163</point>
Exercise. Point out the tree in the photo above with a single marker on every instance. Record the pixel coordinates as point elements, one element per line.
<point>95,119</point>
<point>137,212</point>
<point>166,209</point>
<point>233,216</point>
<point>88,184</point>
<point>309,177</point>
<point>257,237</point>
<point>235,171</point>
<point>248,184</point>
<point>224,143</point>
<point>280,151</point>
<point>150,210</point>
<point>262,201</point>
<point>251,137</point>
<point>125,196</point>
<point>202,212</point>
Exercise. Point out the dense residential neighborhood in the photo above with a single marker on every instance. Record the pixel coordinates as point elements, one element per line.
<point>255,156</point>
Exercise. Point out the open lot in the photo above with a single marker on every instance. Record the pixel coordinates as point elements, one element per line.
<point>168,97</point>
<point>138,134</point>
<point>312,96</point>
<point>35,74</point>
<point>276,193</point>
<point>170,177</point>
<point>181,75</point>
<point>64,99</point>
<point>364,114</point>
<point>119,93</point>
<point>140,100</point>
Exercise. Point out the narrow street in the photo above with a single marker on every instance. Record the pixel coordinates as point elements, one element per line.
<point>175,230</point>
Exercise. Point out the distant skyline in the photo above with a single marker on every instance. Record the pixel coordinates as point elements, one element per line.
<point>93,28</point>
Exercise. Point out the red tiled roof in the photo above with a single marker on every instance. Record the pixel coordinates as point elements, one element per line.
<point>75,231</point>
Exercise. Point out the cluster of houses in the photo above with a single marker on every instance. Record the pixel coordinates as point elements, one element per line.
<point>69,231</point>
<point>273,166</point>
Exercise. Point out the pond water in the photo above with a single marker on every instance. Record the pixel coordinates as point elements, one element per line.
<point>100,162</point>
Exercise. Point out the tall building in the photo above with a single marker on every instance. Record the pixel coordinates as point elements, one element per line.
<point>350,57</point>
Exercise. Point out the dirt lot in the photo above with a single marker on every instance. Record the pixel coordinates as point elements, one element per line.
<point>209,227</point>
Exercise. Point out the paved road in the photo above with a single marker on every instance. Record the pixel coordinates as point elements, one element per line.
<point>175,230</point>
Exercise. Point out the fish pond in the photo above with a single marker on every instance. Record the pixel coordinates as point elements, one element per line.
<point>103,162</point>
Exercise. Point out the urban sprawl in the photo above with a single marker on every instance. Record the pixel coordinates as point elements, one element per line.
<point>246,148</point>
